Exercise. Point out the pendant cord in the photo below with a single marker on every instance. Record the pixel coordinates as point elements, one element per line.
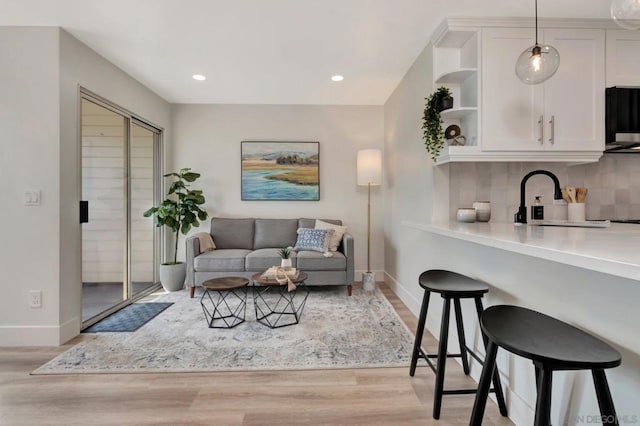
<point>536,22</point>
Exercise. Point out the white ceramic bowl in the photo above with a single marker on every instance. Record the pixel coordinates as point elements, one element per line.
<point>466,215</point>
<point>483,210</point>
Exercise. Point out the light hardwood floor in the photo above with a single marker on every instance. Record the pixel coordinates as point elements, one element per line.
<point>382,396</point>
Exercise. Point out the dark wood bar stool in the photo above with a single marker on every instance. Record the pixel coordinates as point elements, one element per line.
<point>451,286</point>
<point>552,345</point>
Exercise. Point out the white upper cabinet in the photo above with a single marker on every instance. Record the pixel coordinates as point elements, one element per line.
<point>565,113</point>
<point>511,110</point>
<point>561,119</point>
<point>574,98</point>
<point>623,58</point>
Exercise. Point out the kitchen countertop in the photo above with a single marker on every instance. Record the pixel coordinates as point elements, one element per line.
<point>614,250</point>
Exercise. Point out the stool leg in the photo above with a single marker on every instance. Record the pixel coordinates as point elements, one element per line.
<point>607,410</point>
<point>461,339</point>
<point>442,357</point>
<point>543,401</point>
<point>497,387</point>
<point>419,332</point>
<point>482,394</point>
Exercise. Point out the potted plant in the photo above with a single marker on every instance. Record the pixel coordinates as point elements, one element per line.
<point>180,211</point>
<point>433,134</point>
<point>285,254</point>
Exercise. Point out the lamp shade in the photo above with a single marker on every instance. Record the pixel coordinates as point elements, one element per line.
<point>626,13</point>
<point>537,64</point>
<point>369,167</point>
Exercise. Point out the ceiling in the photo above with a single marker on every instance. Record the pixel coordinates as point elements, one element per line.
<point>268,51</point>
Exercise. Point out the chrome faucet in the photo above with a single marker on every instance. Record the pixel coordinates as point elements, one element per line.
<point>521,216</point>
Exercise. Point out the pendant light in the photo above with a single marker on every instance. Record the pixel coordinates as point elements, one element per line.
<point>538,63</point>
<point>626,13</point>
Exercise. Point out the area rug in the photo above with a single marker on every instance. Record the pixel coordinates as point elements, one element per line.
<point>129,318</point>
<point>335,331</point>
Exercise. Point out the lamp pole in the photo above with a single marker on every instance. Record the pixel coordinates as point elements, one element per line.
<point>369,228</point>
<point>369,172</point>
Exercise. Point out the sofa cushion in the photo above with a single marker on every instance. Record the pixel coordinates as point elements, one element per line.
<point>315,261</point>
<point>261,259</point>
<point>221,260</point>
<point>275,233</point>
<point>311,223</point>
<point>232,233</point>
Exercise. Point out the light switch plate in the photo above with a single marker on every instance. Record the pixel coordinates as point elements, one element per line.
<point>32,198</point>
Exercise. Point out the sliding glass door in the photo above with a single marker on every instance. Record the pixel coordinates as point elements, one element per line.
<point>120,180</point>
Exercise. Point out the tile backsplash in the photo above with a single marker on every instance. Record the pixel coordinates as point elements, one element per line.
<point>613,184</point>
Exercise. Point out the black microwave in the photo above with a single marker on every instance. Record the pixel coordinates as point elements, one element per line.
<point>622,120</point>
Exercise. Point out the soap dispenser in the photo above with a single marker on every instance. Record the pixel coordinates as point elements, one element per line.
<point>537,210</point>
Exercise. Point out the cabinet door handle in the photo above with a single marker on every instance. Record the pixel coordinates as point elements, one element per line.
<point>552,126</point>
<point>541,123</point>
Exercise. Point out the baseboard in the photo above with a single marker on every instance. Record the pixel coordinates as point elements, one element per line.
<point>69,329</point>
<point>31,335</point>
<point>39,335</point>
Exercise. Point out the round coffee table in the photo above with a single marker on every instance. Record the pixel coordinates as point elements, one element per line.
<point>274,304</point>
<point>224,300</point>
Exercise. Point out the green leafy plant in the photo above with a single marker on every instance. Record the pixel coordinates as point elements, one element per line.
<point>433,134</point>
<point>181,210</point>
<point>285,252</point>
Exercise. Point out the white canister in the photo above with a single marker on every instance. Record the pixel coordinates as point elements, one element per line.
<point>576,212</point>
<point>483,210</point>
<point>466,215</point>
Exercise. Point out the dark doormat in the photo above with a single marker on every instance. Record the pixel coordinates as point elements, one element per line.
<point>129,318</point>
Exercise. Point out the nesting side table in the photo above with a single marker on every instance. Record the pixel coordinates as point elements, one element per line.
<point>224,301</point>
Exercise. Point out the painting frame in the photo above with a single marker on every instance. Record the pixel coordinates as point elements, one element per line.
<point>278,170</point>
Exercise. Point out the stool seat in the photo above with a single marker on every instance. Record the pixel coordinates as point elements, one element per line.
<point>451,283</point>
<point>547,340</point>
<point>552,345</point>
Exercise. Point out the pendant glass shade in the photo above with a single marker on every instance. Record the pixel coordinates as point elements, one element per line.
<point>537,64</point>
<point>626,13</point>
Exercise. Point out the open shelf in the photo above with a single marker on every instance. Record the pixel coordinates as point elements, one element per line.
<point>456,77</point>
<point>457,113</point>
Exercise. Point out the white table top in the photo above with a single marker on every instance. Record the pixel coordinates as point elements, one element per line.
<point>614,250</point>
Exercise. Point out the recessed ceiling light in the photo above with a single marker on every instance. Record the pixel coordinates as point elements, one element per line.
<point>337,78</point>
<point>199,77</point>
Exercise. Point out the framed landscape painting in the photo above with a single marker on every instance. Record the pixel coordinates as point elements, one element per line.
<point>280,171</point>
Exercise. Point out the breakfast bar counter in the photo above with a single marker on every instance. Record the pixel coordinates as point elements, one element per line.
<point>587,277</point>
<point>613,250</point>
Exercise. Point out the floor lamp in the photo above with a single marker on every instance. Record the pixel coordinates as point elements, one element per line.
<point>369,172</point>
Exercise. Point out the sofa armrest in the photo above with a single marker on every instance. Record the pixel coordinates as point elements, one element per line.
<point>193,250</point>
<point>347,249</point>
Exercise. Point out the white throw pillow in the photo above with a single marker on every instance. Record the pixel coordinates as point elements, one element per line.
<point>338,232</point>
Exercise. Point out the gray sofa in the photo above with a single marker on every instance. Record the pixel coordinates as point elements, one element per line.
<point>247,246</point>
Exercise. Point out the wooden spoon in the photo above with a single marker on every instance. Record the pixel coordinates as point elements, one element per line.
<point>571,192</point>
<point>581,194</point>
<point>565,196</point>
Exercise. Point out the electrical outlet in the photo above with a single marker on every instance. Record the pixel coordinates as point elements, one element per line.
<point>35,298</point>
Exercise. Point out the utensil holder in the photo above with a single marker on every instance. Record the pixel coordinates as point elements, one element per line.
<point>576,212</point>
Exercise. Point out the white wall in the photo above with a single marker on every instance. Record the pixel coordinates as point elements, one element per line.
<point>416,191</point>
<point>208,140</point>
<point>39,129</point>
<point>408,189</point>
<point>29,137</point>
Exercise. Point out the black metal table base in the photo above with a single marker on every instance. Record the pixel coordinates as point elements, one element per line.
<point>226,308</point>
<point>285,310</point>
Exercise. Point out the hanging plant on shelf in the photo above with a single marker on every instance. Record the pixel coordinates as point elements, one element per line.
<point>433,133</point>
